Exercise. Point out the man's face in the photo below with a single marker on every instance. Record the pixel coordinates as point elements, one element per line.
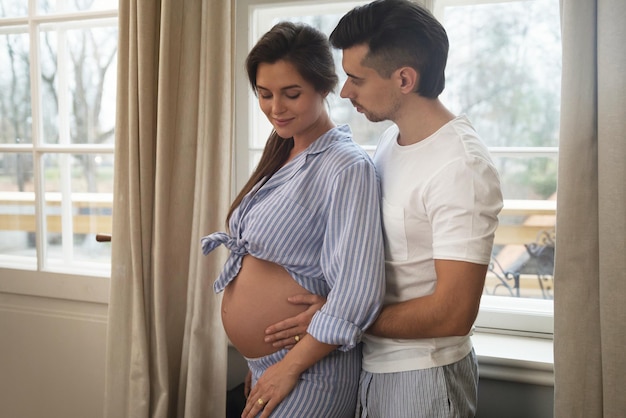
<point>374,96</point>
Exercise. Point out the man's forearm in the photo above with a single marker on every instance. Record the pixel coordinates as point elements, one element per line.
<point>449,311</point>
<point>421,318</point>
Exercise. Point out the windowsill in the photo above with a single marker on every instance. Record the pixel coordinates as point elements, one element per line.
<point>515,358</point>
<point>77,287</point>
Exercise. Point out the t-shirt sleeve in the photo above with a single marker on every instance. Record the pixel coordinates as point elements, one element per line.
<point>463,201</point>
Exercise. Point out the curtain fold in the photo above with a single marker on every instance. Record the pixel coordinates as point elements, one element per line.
<point>166,349</point>
<point>590,267</point>
<point>203,371</point>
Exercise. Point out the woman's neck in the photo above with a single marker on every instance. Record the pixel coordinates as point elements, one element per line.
<point>317,129</point>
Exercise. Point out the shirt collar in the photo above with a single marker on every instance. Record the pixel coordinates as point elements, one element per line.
<point>320,145</point>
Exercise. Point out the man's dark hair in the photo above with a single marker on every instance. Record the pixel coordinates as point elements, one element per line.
<point>398,33</point>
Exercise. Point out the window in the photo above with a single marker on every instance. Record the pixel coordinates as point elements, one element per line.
<point>504,73</point>
<point>57,117</point>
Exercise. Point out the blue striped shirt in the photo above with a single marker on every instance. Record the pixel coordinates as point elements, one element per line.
<point>319,218</point>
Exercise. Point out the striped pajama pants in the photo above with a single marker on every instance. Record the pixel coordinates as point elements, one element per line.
<point>328,389</point>
<point>440,392</point>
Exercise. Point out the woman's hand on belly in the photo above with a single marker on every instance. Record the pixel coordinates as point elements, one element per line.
<point>286,333</point>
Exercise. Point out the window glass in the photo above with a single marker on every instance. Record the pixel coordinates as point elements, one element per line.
<point>13,8</point>
<point>17,208</point>
<point>527,176</point>
<point>15,103</point>
<point>62,6</point>
<point>78,201</point>
<point>504,70</point>
<point>78,62</point>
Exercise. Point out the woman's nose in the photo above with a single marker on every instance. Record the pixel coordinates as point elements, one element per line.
<point>278,105</point>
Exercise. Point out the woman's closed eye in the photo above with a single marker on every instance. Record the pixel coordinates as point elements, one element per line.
<point>292,96</point>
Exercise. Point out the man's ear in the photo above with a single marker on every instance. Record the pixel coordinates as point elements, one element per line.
<point>408,79</point>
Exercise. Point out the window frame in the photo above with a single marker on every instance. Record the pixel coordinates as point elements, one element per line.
<point>525,317</point>
<point>24,278</point>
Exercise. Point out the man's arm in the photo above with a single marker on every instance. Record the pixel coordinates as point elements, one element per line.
<point>450,311</point>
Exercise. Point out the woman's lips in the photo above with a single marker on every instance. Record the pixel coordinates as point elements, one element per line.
<point>282,122</point>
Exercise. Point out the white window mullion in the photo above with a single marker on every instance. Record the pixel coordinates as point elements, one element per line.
<point>524,151</point>
<point>36,127</point>
<point>65,168</point>
<point>67,226</point>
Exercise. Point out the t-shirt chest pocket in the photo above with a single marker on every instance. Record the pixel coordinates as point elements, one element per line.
<point>394,232</point>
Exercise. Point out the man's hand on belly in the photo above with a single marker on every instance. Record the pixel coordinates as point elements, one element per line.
<point>286,333</point>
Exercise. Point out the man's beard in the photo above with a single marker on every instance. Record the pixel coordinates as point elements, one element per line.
<point>374,117</point>
<point>379,116</point>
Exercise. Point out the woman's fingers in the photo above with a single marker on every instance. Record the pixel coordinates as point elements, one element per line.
<point>247,384</point>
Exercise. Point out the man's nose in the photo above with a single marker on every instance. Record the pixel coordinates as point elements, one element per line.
<point>345,91</point>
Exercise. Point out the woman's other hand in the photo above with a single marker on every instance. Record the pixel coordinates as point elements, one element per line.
<point>278,380</point>
<point>275,383</point>
<point>247,384</point>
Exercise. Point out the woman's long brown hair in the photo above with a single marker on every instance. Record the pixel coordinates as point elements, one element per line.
<point>274,155</point>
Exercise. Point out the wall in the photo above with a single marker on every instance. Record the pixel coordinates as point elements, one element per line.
<point>52,355</point>
<point>502,399</point>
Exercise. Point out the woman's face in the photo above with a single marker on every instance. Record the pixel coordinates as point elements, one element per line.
<point>290,103</point>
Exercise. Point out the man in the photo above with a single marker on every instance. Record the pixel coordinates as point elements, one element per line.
<point>441,198</point>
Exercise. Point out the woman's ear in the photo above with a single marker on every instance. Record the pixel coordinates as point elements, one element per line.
<point>408,78</point>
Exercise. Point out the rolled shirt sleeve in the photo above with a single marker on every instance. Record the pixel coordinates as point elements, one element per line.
<point>352,259</point>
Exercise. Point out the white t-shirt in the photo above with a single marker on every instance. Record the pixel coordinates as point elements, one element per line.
<point>441,199</point>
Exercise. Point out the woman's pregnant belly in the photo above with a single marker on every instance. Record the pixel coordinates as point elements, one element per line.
<point>255,299</point>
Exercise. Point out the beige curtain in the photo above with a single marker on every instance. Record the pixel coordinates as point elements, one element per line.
<point>590,269</point>
<point>166,349</point>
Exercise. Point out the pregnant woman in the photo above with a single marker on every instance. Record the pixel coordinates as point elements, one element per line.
<point>307,222</point>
